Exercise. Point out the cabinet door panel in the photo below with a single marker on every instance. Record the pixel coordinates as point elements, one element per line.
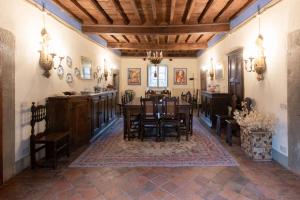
<point>80,116</point>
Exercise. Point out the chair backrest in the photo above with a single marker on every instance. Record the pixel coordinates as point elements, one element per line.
<point>169,106</point>
<point>248,102</point>
<point>166,93</point>
<point>189,97</point>
<point>148,107</point>
<point>149,92</point>
<point>130,94</point>
<point>38,114</point>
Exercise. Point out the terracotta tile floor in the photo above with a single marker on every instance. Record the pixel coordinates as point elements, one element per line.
<point>250,180</point>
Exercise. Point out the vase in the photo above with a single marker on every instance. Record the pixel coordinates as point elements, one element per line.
<point>257,144</point>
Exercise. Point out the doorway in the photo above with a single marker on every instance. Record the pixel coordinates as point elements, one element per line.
<point>7,105</point>
<point>236,74</point>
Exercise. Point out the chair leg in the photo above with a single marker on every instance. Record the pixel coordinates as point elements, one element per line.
<point>229,135</point>
<point>32,154</point>
<point>218,128</point>
<point>55,156</point>
<point>68,146</point>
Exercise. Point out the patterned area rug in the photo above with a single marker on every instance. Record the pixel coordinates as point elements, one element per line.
<point>111,150</point>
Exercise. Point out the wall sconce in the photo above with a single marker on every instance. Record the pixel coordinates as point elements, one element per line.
<point>210,69</point>
<point>46,56</point>
<point>256,61</point>
<point>105,71</point>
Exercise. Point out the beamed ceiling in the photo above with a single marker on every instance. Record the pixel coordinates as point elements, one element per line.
<point>178,27</point>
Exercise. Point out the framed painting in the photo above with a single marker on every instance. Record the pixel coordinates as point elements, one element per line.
<point>219,73</point>
<point>134,76</point>
<point>180,76</point>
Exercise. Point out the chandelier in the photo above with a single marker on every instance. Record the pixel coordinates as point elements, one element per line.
<point>155,57</point>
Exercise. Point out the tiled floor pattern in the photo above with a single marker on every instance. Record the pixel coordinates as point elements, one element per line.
<point>250,180</point>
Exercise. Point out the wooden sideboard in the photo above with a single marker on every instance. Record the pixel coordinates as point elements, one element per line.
<point>85,116</point>
<point>212,104</point>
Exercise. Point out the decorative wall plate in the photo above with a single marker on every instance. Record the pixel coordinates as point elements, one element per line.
<point>69,61</point>
<point>95,75</point>
<point>69,78</point>
<point>77,72</point>
<point>60,71</point>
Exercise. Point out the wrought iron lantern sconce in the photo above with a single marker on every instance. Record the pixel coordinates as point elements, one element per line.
<point>46,59</point>
<point>155,58</point>
<point>257,63</point>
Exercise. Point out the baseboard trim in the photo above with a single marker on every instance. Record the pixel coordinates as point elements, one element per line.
<point>280,158</point>
<point>22,164</point>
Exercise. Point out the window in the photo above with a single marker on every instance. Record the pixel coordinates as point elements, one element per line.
<point>161,79</point>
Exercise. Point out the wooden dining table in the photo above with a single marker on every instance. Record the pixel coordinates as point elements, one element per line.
<point>134,108</point>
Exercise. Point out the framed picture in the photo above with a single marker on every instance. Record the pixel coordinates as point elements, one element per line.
<point>180,76</point>
<point>86,68</point>
<point>134,76</point>
<point>219,73</point>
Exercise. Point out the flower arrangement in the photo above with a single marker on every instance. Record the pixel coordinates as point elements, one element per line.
<point>253,120</point>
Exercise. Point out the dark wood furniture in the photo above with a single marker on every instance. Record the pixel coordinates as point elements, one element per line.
<point>221,118</point>
<point>54,142</point>
<point>85,116</point>
<point>134,107</point>
<point>213,104</point>
<point>169,117</point>
<point>149,116</point>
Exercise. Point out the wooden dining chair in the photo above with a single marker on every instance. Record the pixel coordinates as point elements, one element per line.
<point>54,142</point>
<point>149,93</point>
<point>166,93</point>
<point>170,117</point>
<point>149,116</point>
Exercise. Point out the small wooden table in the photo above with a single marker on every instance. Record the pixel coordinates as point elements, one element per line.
<point>134,108</point>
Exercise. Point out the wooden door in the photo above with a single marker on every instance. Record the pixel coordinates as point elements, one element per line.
<point>236,74</point>
<point>203,78</point>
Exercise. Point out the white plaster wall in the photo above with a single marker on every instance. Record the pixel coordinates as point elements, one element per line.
<point>189,63</point>
<point>271,94</point>
<point>24,20</point>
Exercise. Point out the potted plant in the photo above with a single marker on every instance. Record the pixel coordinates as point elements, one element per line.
<point>256,132</point>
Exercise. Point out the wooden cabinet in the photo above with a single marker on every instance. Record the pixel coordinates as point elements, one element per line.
<point>86,116</point>
<point>212,104</point>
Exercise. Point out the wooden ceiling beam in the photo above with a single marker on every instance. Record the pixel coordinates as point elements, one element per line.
<point>138,10</point>
<point>68,11</point>
<point>188,10</point>
<point>162,30</point>
<point>223,10</point>
<point>80,7</point>
<point>153,6</point>
<point>177,38</point>
<point>119,8</point>
<point>115,38</point>
<point>166,39</point>
<point>155,46</point>
<point>126,38</point>
<point>187,38</point>
<point>102,11</point>
<point>200,36</point>
<point>207,6</point>
<point>172,11</point>
<point>137,38</point>
<point>166,54</point>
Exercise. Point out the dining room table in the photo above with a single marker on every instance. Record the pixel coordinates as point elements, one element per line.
<point>134,108</point>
